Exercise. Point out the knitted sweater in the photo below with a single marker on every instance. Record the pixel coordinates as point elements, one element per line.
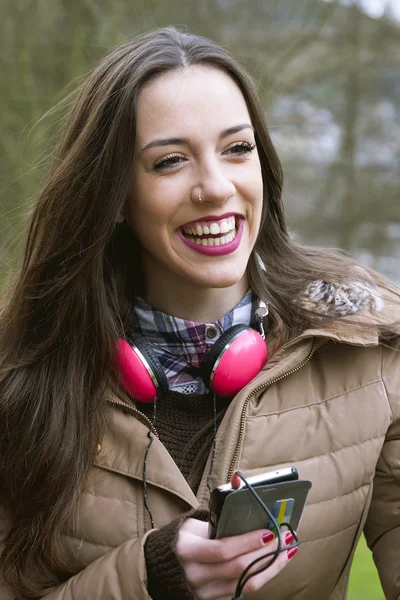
<point>185,426</point>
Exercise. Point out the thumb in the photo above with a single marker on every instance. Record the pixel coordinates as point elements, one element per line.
<point>195,527</point>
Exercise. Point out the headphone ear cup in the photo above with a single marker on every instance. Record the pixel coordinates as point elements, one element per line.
<point>234,360</point>
<point>139,370</point>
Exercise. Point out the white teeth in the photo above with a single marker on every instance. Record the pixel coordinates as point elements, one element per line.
<point>224,227</point>
<point>197,232</point>
<point>214,228</point>
<point>221,241</point>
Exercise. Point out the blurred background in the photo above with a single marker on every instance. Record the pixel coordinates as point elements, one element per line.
<point>329,77</point>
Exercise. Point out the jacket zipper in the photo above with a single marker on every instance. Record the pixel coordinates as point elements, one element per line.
<point>135,411</point>
<point>257,389</point>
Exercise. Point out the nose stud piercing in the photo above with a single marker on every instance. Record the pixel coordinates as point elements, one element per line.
<point>200,198</point>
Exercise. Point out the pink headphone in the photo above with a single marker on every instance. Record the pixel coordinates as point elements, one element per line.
<point>234,360</point>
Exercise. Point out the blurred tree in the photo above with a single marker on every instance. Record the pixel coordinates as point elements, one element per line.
<point>328,75</point>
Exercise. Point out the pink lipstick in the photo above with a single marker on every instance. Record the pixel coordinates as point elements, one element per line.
<point>216,250</point>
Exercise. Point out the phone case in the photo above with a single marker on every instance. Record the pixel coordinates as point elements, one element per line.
<point>242,513</point>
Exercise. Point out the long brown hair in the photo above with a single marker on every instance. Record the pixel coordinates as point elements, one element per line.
<point>71,298</point>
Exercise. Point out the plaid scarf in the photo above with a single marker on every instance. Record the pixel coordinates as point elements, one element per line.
<point>181,345</point>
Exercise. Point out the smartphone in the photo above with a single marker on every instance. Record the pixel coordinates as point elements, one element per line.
<point>236,511</point>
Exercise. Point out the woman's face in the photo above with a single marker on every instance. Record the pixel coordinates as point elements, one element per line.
<point>195,141</point>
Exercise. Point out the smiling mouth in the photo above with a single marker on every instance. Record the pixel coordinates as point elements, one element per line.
<point>215,233</point>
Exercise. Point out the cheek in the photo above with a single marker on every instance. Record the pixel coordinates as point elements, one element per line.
<point>154,201</point>
<point>148,214</point>
<point>258,178</point>
<point>250,181</point>
<point>259,189</point>
<point>255,192</point>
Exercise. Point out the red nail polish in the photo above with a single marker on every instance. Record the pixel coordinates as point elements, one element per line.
<point>288,538</point>
<point>267,537</point>
<point>291,552</point>
<point>235,481</point>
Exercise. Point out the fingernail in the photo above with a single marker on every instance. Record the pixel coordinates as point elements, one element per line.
<point>235,481</point>
<point>292,552</point>
<point>288,538</point>
<point>267,537</point>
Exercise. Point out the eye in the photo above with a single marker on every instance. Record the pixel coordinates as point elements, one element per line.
<point>168,162</point>
<point>241,149</point>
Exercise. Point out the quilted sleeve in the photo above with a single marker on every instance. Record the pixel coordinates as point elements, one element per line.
<point>382,529</point>
<point>119,574</point>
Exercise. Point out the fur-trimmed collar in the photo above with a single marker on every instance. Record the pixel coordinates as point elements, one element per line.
<point>342,299</point>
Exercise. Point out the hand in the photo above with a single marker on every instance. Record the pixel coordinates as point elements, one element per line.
<point>213,567</point>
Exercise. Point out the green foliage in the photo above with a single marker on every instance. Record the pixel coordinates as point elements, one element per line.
<point>331,61</point>
<point>364,580</point>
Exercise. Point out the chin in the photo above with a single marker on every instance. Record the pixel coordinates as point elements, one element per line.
<point>220,280</point>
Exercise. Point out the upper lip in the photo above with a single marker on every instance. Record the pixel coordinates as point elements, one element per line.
<point>212,218</point>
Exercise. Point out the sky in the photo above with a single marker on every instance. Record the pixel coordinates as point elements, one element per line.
<point>375,8</point>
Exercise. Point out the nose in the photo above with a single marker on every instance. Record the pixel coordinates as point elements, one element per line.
<point>214,186</point>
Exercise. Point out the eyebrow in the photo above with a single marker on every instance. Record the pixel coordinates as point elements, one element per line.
<point>177,141</point>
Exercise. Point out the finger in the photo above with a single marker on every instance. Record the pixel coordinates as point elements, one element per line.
<point>195,527</point>
<point>226,589</point>
<point>199,574</point>
<point>221,590</point>
<point>256,582</point>
<point>193,548</point>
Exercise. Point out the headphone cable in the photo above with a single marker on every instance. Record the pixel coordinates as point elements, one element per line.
<point>151,438</point>
<point>214,442</point>
<point>245,575</point>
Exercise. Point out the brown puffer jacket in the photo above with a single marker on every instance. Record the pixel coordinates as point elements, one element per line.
<point>329,403</point>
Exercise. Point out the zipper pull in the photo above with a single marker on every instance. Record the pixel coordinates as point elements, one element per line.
<point>261,314</point>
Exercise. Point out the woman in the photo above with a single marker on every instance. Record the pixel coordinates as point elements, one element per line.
<point>165,152</point>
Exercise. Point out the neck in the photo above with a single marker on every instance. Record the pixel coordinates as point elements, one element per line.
<point>203,305</point>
